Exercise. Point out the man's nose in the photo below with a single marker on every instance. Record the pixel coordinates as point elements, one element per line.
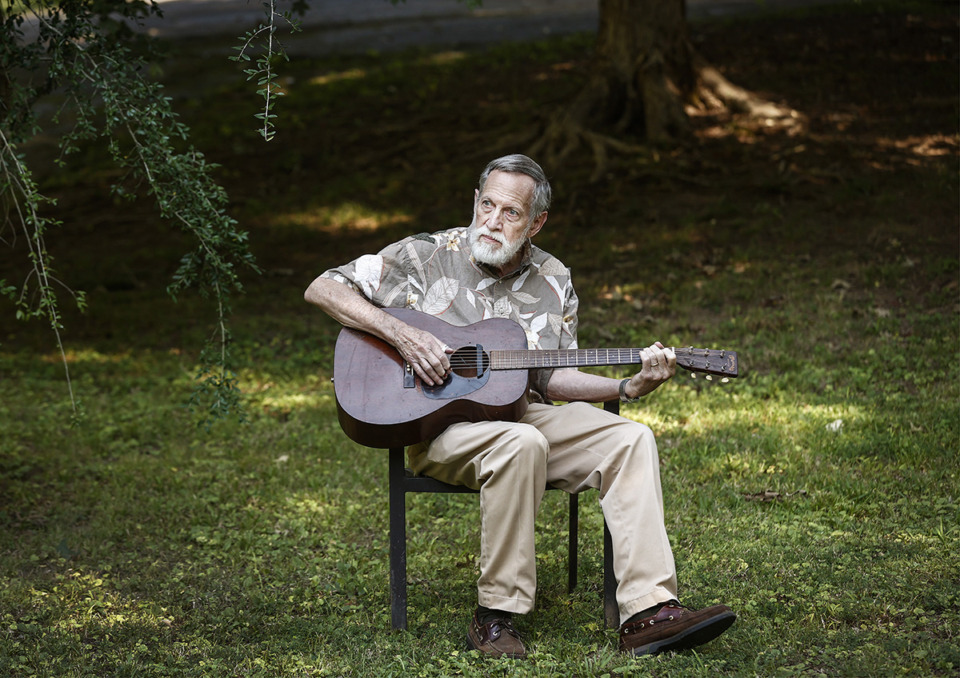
<point>495,222</point>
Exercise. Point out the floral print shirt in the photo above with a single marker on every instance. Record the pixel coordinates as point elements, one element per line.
<point>437,274</point>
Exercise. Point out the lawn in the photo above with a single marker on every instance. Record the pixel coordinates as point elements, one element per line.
<point>817,494</point>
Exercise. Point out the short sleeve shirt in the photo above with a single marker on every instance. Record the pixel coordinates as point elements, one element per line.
<point>437,274</point>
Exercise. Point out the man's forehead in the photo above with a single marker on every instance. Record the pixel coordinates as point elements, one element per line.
<point>515,184</point>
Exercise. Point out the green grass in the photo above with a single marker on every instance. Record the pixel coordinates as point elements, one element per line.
<point>138,543</point>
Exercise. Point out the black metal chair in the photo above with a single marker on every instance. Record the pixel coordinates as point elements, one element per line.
<point>403,481</point>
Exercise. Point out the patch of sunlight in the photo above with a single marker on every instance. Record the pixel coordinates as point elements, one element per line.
<point>89,356</point>
<point>345,217</point>
<point>931,145</point>
<point>91,598</point>
<point>772,441</point>
<point>941,538</point>
<point>656,422</point>
<point>352,74</point>
<point>443,58</point>
<point>788,418</point>
<point>295,401</point>
<point>309,506</point>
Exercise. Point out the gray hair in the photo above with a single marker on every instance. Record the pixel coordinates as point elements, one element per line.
<point>521,164</point>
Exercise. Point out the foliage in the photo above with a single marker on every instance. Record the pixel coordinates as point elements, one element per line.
<point>84,55</point>
<point>262,68</point>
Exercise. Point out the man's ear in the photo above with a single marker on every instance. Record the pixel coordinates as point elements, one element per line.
<point>538,223</point>
<point>476,196</point>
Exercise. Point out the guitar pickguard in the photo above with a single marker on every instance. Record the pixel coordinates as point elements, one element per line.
<point>471,372</point>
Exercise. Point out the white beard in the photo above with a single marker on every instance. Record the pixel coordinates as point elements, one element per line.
<point>489,254</point>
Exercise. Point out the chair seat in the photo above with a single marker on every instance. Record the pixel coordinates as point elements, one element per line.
<point>417,483</point>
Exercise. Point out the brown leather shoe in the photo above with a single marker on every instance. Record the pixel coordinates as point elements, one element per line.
<point>496,638</point>
<point>673,628</point>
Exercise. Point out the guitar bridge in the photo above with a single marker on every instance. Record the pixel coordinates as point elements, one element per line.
<point>409,378</point>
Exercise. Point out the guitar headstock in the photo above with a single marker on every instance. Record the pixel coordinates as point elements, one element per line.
<point>709,361</point>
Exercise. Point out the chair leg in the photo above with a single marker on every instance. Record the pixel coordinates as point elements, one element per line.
<point>611,612</point>
<point>398,541</point>
<point>574,529</point>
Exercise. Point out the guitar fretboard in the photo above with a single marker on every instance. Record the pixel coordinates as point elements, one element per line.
<point>711,361</point>
<point>580,357</point>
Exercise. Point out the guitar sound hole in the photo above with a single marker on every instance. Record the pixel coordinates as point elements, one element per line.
<point>465,361</point>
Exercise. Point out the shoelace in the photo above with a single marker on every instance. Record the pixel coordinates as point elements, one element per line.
<point>633,627</point>
<point>505,625</point>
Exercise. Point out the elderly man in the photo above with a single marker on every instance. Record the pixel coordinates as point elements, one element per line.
<point>491,269</point>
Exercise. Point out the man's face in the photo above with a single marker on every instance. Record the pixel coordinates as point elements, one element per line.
<point>502,219</point>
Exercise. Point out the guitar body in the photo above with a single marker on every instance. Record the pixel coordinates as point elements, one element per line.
<point>382,404</point>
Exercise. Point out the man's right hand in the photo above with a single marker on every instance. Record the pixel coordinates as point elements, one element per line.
<point>428,356</point>
<point>425,353</point>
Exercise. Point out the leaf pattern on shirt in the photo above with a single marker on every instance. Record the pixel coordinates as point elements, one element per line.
<point>524,298</point>
<point>487,307</point>
<point>415,260</point>
<point>519,282</point>
<point>394,292</point>
<point>414,284</point>
<point>369,273</point>
<point>502,308</point>
<point>553,267</point>
<point>536,327</point>
<point>556,323</point>
<point>440,295</point>
<point>559,288</point>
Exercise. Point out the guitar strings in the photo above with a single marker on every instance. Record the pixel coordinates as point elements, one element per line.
<point>460,356</point>
<point>465,358</point>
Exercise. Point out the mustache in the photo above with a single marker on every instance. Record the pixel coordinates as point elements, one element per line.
<point>483,230</point>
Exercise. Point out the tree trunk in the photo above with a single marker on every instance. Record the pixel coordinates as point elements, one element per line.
<point>645,73</point>
<point>643,62</point>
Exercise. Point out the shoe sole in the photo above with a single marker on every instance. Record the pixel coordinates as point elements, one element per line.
<point>692,637</point>
<point>508,655</point>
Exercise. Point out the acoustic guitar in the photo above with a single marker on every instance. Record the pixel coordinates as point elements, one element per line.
<point>382,403</point>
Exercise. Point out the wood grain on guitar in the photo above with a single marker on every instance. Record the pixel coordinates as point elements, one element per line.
<point>380,404</point>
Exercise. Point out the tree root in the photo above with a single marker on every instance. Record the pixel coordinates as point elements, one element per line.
<point>568,130</point>
<point>716,92</point>
<point>564,136</point>
<point>649,101</point>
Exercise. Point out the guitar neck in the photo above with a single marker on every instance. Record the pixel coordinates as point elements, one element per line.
<point>709,361</point>
<point>556,358</point>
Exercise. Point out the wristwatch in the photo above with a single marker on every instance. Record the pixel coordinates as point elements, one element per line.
<point>623,393</point>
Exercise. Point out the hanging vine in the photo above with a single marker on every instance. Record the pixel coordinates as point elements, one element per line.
<point>84,50</point>
<point>260,48</point>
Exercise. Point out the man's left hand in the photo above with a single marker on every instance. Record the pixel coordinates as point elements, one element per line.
<point>659,364</point>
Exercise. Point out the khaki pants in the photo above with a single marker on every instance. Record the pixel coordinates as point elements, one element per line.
<point>575,447</point>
